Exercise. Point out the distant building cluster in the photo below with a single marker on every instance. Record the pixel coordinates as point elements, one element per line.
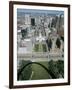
<point>40,33</point>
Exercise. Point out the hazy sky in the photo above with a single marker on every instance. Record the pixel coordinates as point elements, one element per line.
<point>37,11</point>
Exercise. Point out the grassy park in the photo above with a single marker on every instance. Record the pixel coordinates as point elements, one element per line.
<point>40,47</point>
<point>37,72</point>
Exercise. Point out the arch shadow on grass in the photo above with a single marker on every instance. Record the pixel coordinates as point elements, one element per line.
<point>48,71</point>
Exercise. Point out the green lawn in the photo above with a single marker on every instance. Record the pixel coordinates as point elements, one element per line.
<point>36,47</point>
<point>40,47</point>
<point>39,72</point>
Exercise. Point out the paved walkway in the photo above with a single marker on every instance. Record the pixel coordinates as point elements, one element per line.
<point>40,56</point>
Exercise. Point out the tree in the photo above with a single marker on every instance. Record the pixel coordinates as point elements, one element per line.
<point>53,68</point>
<point>57,68</point>
<point>60,66</point>
<point>26,73</point>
